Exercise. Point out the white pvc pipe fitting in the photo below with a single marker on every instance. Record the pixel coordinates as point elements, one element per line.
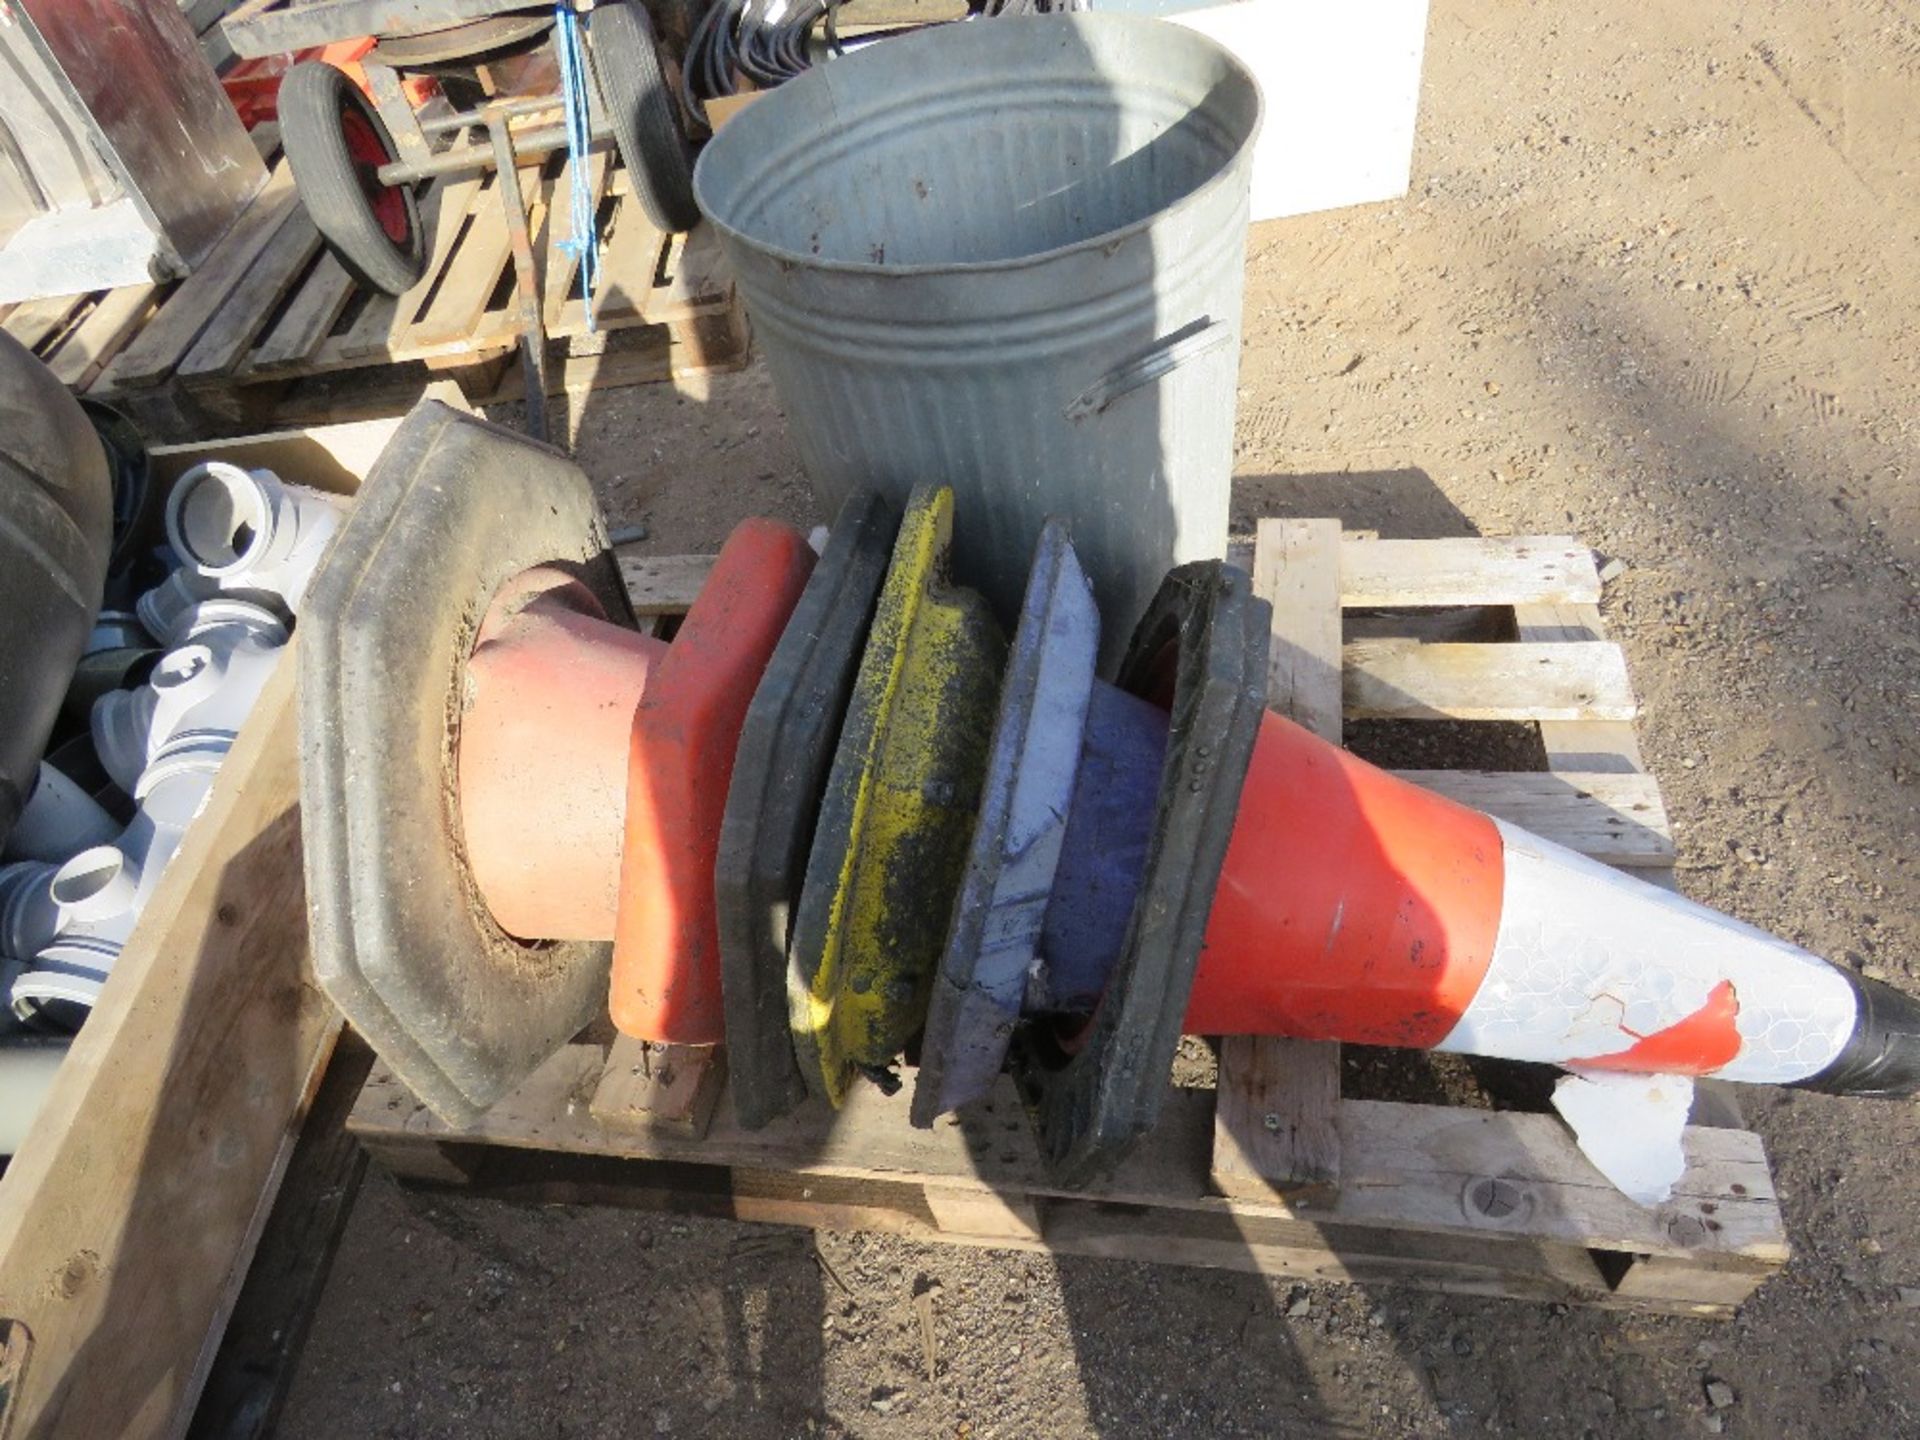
<point>29,916</point>
<point>246,530</point>
<point>60,819</point>
<point>197,696</point>
<point>97,896</point>
<point>251,545</point>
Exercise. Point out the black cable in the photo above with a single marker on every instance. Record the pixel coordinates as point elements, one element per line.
<point>736,38</point>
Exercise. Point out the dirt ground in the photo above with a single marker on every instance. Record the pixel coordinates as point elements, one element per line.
<point>1656,284</point>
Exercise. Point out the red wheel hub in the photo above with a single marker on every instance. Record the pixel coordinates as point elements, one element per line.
<point>368,153</point>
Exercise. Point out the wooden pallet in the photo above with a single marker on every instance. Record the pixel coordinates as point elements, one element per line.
<point>1276,1171</point>
<point>272,330</point>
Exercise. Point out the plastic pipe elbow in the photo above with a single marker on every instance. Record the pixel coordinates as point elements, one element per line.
<point>197,697</point>
<point>97,896</point>
<point>248,530</point>
<point>60,819</point>
<point>29,918</point>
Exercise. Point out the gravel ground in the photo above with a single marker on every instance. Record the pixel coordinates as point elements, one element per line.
<point>1654,285</point>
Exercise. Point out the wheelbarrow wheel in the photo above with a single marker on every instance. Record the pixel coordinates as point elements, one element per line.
<point>336,143</point>
<point>644,114</point>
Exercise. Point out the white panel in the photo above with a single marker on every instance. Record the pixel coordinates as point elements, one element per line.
<point>1342,90</point>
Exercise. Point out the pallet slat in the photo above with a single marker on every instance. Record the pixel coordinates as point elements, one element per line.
<point>1403,1163</point>
<point>664,584</point>
<point>1405,1167</point>
<point>101,333</point>
<point>628,260</point>
<point>252,302</point>
<point>1529,569</point>
<point>1616,818</point>
<point>32,322</point>
<point>1276,1114</point>
<point>697,278</point>
<point>469,277</point>
<point>309,319</point>
<point>147,1122</point>
<point>562,264</point>
<point>443,211</point>
<point>152,354</point>
<point>1407,680</point>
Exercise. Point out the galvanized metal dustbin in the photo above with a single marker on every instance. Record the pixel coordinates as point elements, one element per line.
<point>1007,255</point>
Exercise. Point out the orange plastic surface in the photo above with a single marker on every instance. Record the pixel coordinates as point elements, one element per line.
<point>252,82</point>
<point>1698,1045</point>
<point>666,953</point>
<point>1353,905</point>
<point>546,721</point>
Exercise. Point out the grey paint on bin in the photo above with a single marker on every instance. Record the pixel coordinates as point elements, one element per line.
<point>1008,256</point>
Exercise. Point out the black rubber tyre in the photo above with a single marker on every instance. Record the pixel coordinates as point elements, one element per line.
<point>644,114</point>
<point>335,142</point>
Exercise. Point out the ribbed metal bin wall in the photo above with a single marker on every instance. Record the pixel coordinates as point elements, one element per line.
<point>1007,255</point>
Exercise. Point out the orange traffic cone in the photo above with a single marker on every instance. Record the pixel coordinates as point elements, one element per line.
<point>1345,904</point>
<point>1356,906</point>
<point>583,742</point>
<point>666,947</point>
<point>547,704</point>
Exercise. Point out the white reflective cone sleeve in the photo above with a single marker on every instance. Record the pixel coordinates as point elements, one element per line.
<point>1589,962</point>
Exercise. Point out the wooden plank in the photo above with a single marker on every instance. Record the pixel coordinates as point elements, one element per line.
<point>128,1219</point>
<point>1619,819</point>
<point>1068,1226</point>
<point>469,277</point>
<point>562,263</point>
<point>381,391</point>
<point>1520,569</point>
<point>36,320</point>
<point>256,1361</point>
<point>663,584</point>
<point>959,1210</point>
<point>1266,1246</point>
<point>329,457</point>
<point>696,280</point>
<point>1296,569</point>
<point>1593,745</point>
<point>443,210</point>
<point>153,353</point>
<point>681,353</point>
<point>1405,680</point>
<point>1275,1127</point>
<point>1414,1162</point>
<point>102,331</point>
<point>448,208</point>
<point>252,302</point>
<point>648,1085</point>
<point>1402,1166</point>
<point>1701,1281</point>
<point>364,341</point>
<point>628,260</point>
<point>308,320</point>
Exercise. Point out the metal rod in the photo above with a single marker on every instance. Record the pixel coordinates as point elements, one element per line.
<point>535,144</point>
<point>526,277</point>
<point>467,119</point>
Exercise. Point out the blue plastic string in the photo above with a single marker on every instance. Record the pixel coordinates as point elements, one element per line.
<point>583,238</point>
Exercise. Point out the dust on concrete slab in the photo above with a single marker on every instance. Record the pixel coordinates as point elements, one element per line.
<point>1655,285</point>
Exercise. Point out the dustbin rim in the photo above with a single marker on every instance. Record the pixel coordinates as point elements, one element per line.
<point>1227,173</point>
